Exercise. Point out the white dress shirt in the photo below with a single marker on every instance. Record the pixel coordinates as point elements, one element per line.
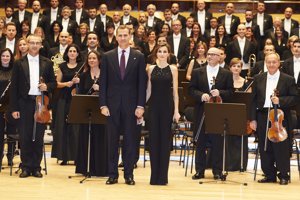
<point>62,49</point>
<point>103,20</point>
<point>11,44</point>
<point>260,23</point>
<point>211,72</point>
<point>201,20</point>
<point>213,31</point>
<point>188,32</point>
<point>34,74</point>
<point>116,27</point>
<point>174,17</point>
<point>248,24</point>
<point>53,14</point>
<point>92,24</point>
<point>287,25</point>
<point>272,81</point>
<point>78,15</point>
<point>7,20</point>
<point>21,15</point>
<point>65,24</point>
<point>228,23</point>
<point>176,41</point>
<point>126,19</point>
<point>296,67</point>
<point>34,21</point>
<point>127,52</point>
<point>150,21</point>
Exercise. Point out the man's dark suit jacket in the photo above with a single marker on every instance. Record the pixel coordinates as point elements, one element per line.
<point>27,15</point>
<point>268,22</point>
<point>208,17</point>
<point>233,51</point>
<point>47,13</point>
<point>72,26</point>
<point>3,44</point>
<point>43,22</point>
<point>84,16</point>
<point>288,68</point>
<point>98,27</point>
<point>294,24</point>
<point>132,20</point>
<point>183,50</point>
<point>235,21</point>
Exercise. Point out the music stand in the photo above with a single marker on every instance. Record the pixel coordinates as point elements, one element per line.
<point>225,119</point>
<point>84,110</point>
<point>243,98</point>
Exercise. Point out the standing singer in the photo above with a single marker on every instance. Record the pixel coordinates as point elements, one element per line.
<point>25,86</point>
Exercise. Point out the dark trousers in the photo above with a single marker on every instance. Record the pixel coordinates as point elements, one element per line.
<point>118,121</point>
<point>159,142</point>
<point>277,154</point>
<point>31,151</point>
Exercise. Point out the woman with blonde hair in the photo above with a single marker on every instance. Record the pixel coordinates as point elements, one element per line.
<point>22,48</point>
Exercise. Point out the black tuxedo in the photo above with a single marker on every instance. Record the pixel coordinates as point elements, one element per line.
<point>271,33</point>
<point>183,50</point>
<point>98,27</point>
<point>207,33</point>
<point>3,44</point>
<point>258,68</point>
<point>157,24</point>
<point>47,13</point>
<point>294,24</point>
<point>268,22</point>
<point>85,52</point>
<point>108,19</point>
<point>235,21</point>
<point>51,41</point>
<point>233,51</point>
<point>20,101</point>
<point>84,16</point>
<point>295,31</point>
<point>132,20</point>
<point>122,98</point>
<point>288,68</point>
<point>43,22</point>
<point>27,15</point>
<point>106,46</point>
<point>278,153</point>
<point>182,19</point>
<point>198,86</point>
<point>72,26</point>
<point>81,44</point>
<point>208,17</point>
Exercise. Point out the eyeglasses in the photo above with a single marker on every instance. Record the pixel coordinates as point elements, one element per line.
<point>34,43</point>
<point>212,54</point>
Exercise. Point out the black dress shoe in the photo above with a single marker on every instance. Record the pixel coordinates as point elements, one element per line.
<point>129,181</point>
<point>111,181</point>
<point>198,175</point>
<point>24,174</point>
<point>217,176</point>
<point>64,163</point>
<point>267,180</point>
<point>121,164</point>
<point>37,174</point>
<point>283,181</point>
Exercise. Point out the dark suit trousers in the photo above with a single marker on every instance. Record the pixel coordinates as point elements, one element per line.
<point>276,154</point>
<point>31,151</point>
<point>124,122</point>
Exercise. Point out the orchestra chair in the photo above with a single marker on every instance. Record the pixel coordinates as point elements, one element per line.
<point>181,76</point>
<point>11,140</point>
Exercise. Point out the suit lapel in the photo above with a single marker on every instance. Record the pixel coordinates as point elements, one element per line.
<point>42,68</point>
<point>25,66</point>
<point>237,46</point>
<point>130,62</point>
<point>115,63</point>
<point>264,86</point>
<point>219,78</point>
<point>205,79</point>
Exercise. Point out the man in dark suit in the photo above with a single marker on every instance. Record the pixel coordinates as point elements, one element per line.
<point>202,16</point>
<point>201,89</point>
<point>21,13</point>
<point>94,22</point>
<point>9,11</point>
<point>260,65</point>
<point>10,40</point>
<point>275,156</point>
<point>229,20</point>
<point>153,22</point>
<point>288,23</point>
<point>188,28</point>
<point>25,86</point>
<point>180,45</point>
<point>291,66</point>
<point>176,15</point>
<point>92,44</point>
<point>277,24</point>
<point>122,99</point>
<point>253,26</point>
<point>37,19</point>
<point>63,44</point>
<point>263,20</point>
<point>103,16</point>
<point>68,24</point>
<point>241,48</point>
<point>54,12</point>
<point>212,31</point>
<point>127,17</point>
<point>79,14</point>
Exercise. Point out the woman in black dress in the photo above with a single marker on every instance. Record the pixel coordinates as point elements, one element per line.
<point>65,136</point>
<point>7,60</point>
<point>109,42</point>
<point>81,38</point>
<point>53,37</point>
<point>162,92</point>
<point>233,153</point>
<point>89,85</point>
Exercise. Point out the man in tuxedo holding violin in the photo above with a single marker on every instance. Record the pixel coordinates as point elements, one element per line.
<point>25,86</point>
<point>273,153</point>
<point>201,88</point>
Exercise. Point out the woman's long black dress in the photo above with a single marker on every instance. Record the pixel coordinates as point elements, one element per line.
<point>65,136</point>
<point>233,147</point>
<point>161,109</point>
<point>98,152</point>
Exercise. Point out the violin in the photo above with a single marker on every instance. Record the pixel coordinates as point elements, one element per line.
<point>42,114</point>
<point>216,99</point>
<point>276,133</point>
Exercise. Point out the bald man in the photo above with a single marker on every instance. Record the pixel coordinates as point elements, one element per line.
<point>201,89</point>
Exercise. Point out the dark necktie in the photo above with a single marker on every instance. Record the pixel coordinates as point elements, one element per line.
<point>122,64</point>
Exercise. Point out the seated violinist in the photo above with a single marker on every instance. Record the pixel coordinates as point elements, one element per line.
<point>210,81</point>
<point>275,154</point>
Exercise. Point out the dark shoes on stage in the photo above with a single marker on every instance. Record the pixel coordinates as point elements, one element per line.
<point>129,181</point>
<point>283,181</point>
<point>111,181</point>
<point>197,176</point>
<point>26,174</point>
<point>122,165</point>
<point>267,180</point>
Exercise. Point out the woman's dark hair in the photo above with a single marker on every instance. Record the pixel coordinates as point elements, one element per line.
<point>66,57</point>
<point>53,24</point>
<point>25,21</point>
<point>110,25</point>
<point>11,56</point>
<point>87,67</point>
<point>217,33</point>
<point>157,47</point>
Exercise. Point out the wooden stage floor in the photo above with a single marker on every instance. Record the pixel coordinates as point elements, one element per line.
<point>57,185</point>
